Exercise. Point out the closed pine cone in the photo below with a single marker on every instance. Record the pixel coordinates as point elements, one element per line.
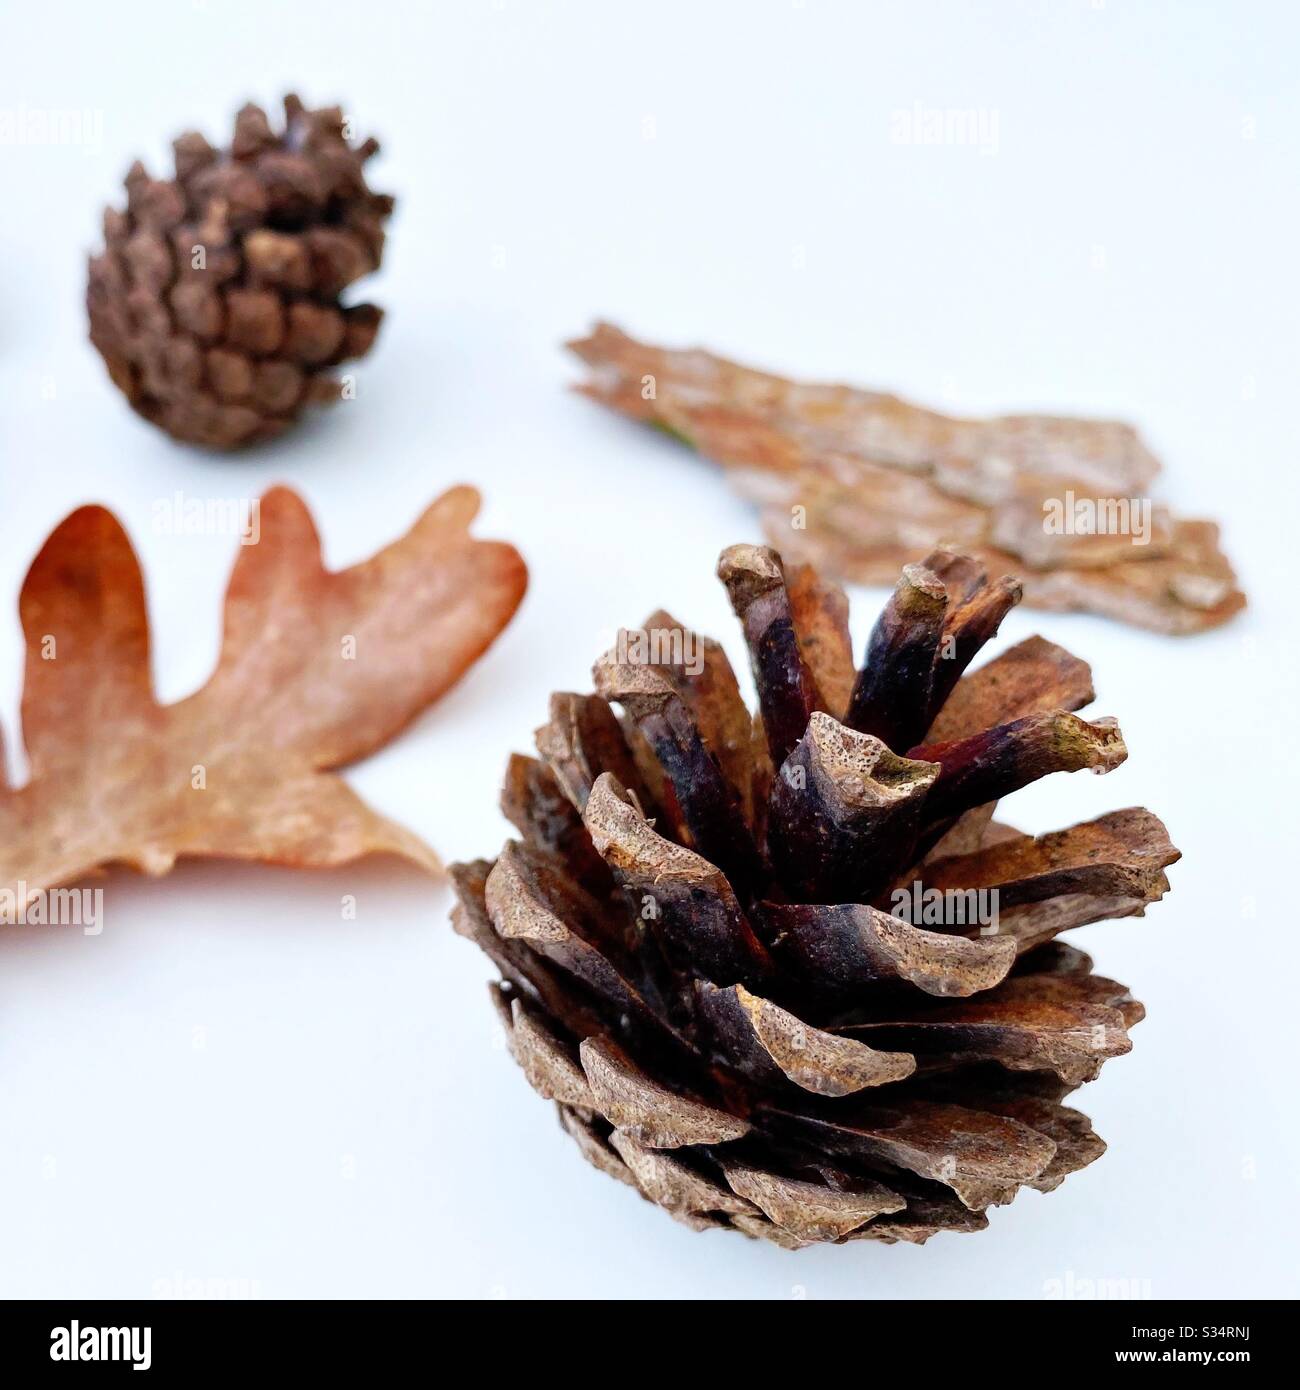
<point>702,934</point>
<point>215,302</point>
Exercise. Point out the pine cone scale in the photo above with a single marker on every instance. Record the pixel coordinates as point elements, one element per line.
<point>839,952</point>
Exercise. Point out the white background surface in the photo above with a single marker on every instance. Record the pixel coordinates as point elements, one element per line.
<point>231,1083</point>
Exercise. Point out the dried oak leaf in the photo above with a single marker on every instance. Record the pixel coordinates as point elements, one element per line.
<point>316,670</point>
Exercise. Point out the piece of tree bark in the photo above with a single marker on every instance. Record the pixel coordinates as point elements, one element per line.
<point>877,482</point>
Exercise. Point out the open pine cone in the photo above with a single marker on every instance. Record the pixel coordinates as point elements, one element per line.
<point>704,939</point>
<point>215,302</point>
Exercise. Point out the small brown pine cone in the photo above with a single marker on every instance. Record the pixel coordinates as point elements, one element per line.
<point>787,975</point>
<point>215,302</point>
